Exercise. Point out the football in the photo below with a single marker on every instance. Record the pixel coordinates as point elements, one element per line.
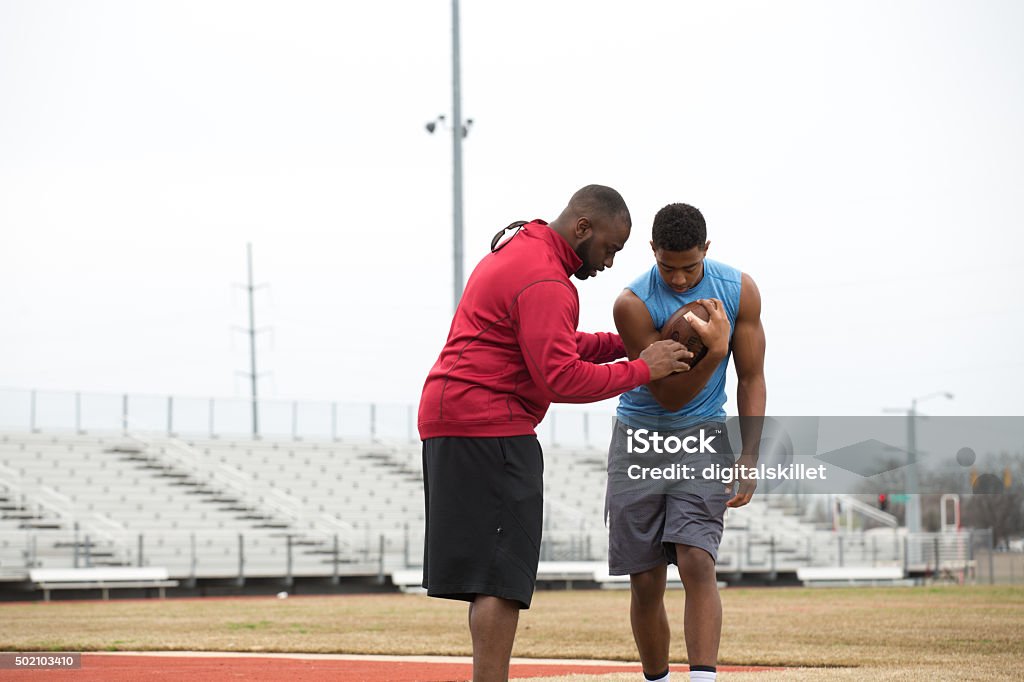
<point>678,329</point>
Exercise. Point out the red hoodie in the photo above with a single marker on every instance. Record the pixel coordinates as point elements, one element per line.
<point>513,348</point>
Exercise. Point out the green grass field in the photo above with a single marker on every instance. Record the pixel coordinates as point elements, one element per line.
<point>924,633</point>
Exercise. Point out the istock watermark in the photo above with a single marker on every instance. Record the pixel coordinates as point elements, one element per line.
<point>892,456</point>
<point>643,441</point>
<point>728,474</point>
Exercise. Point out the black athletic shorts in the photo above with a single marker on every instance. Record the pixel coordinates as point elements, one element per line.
<point>484,512</point>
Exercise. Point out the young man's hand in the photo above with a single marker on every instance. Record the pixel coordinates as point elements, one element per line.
<point>715,332</point>
<point>743,486</point>
<point>665,358</point>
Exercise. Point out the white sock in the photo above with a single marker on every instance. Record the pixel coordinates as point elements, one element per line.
<point>660,679</point>
<point>702,676</point>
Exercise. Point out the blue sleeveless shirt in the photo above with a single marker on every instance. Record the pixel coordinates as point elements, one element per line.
<point>638,408</point>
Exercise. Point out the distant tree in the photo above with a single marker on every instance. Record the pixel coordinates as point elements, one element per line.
<point>985,501</point>
<point>995,505</point>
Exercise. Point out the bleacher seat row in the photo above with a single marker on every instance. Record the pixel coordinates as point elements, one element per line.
<point>215,507</point>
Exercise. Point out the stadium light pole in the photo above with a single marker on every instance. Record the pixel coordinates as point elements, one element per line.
<point>459,130</point>
<point>913,507</point>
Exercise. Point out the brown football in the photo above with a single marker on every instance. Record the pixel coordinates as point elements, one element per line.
<point>678,329</point>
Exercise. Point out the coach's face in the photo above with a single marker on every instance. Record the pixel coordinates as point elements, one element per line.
<point>681,270</point>
<point>602,239</point>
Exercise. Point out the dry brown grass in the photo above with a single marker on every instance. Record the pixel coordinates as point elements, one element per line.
<point>930,633</point>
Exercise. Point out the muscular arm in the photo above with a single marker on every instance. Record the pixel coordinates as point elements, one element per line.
<point>637,332</point>
<point>748,345</point>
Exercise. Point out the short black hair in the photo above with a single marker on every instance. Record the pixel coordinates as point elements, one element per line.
<point>679,227</point>
<point>599,200</point>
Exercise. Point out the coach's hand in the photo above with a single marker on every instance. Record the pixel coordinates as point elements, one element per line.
<point>715,332</point>
<point>743,485</point>
<point>665,358</point>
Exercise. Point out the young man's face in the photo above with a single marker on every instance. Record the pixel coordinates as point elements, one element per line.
<point>681,270</point>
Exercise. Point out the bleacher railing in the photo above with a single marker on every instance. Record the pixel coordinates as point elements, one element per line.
<point>75,411</point>
<point>963,557</point>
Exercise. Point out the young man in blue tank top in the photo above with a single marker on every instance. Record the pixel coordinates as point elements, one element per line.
<point>681,523</point>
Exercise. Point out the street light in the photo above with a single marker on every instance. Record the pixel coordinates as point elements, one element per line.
<point>937,394</point>
<point>459,130</point>
<point>441,122</point>
<point>913,507</point>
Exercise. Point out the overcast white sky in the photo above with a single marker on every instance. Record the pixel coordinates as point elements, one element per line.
<point>863,161</point>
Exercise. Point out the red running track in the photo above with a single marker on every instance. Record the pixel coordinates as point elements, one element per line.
<point>203,667</point>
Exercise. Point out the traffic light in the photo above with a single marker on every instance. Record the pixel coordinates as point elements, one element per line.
<point>883,502</point>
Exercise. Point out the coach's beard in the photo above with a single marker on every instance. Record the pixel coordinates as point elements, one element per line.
<point>586,270</point>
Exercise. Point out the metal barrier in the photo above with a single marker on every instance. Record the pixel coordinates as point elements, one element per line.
<point>37,410</point>
<point>962,557</point>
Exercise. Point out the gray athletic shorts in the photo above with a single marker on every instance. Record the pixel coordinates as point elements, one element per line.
<point>647,519</point>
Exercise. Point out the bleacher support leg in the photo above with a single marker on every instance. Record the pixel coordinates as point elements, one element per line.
<point>192,563</point>
<point>906,555</point>
<point>334,576</point>
<point>240,580</point>
<point>289,580</point>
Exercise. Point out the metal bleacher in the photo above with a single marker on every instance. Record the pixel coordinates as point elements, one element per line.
<point>238,509</point>
<point>83,500</point>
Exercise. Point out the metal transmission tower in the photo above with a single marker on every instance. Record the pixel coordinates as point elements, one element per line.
<point>459,130</point>
<point>251,332</point>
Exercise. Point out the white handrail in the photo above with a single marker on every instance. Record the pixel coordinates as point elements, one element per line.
<point>8,483</point>
<point>229,479</point>
<point>334,524</point>
<point>7,471</point>
<point>852,504</point>
<point>61,497</point>
<point>104,520</point>
<point>62,506</point>
<point>92,523</point>
<point>285,504</point>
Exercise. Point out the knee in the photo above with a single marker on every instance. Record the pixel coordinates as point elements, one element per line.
<point>487,602</point>
<point>648,588</point>
<point>695,565</point>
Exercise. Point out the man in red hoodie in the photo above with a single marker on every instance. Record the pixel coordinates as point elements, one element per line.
<point>512,350</point>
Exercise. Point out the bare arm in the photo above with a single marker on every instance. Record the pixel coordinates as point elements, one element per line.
<point>748,347</point>
<point>637,330</point>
